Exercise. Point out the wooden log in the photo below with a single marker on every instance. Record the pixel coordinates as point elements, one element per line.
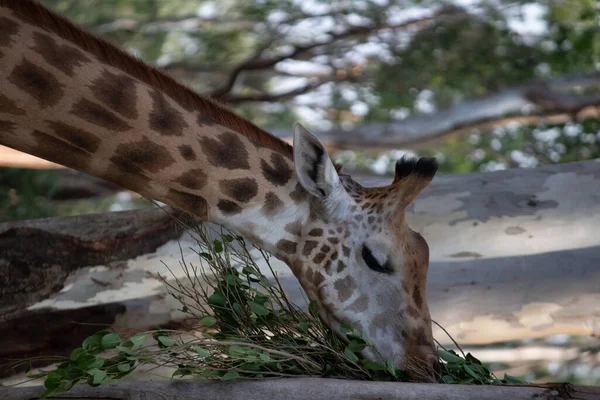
<point>37,256</point>
<point>308,388</point>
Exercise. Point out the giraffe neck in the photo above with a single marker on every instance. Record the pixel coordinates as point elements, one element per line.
<point>73,99</point>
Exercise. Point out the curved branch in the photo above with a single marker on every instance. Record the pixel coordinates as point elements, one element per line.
<point>256,63</point>
<point>552,100</point>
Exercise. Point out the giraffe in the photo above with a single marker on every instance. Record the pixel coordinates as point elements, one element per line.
<point>77,100</point>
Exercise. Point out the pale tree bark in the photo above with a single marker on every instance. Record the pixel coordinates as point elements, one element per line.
<point>309,388</point>
<point>513,255</point>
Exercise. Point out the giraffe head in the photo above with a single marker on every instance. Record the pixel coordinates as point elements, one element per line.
<point>361,261</point>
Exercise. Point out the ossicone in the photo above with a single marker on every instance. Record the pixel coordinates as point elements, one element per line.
<point>424,167</point>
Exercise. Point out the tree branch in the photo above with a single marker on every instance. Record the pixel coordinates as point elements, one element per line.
<point>552,100</point>
<point>256,63</point>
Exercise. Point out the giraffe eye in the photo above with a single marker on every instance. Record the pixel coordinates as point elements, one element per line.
<point>372,262</point>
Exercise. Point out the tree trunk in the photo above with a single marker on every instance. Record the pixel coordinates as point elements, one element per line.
<point>308,388</point>
<point>37,256</point>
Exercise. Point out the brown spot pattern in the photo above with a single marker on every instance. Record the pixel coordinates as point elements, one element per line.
<point>413,312</point>
<point>49,146</point>
<point>6,126</point>
<point>318,278</point>
<point>187,152</point>
<point>9,107</point>
<point>226,151</point>
<point>116,91</point>
<point>299,194</point>
<point>316,232</point>
<point>272,204</point>
<point>333,240</point>
<point>345,288</point>
<point>98,115</point>
<point>142,156</point>
<point>8,28</point>
<point>228,207</point>
<point>194,179</point>
<point>416,295</point>
<point>164,118</point>
<point>360,305</point>
<point>309,246</point>
<point>62,57</point>
<point>37,82</point>
<point>287,246</point>
<point>295,228</point>
<point>242,189</point>
<point>319,258</point>
<point>346,251</point>
<point>192,203</point>
<point>341,266</point>
<point>279,173</point>
<point>83,140</point>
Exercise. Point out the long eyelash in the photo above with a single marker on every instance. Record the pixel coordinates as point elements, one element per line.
<point>373,263</point>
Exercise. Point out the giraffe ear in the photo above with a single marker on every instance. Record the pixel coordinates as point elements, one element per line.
<point>315,171</point>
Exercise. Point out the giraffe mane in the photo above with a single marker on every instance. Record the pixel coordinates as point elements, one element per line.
<point>108,53</point>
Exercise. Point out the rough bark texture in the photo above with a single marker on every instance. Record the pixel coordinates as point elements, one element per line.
<point>37,256</point>
<point>41,333</point>
<point>308,388</point>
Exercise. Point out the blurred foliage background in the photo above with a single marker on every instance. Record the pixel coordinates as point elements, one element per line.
<point>343,63</point>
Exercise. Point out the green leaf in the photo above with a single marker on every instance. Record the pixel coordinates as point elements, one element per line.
<point>75,354</point>
<point>230,375</point>
<point>350,354</point>
<point>374,365</point>
<point>110,341</point>
<point>98,376</point>
<point>469,357</point>
<point>138,339</point>
<point>356,346</point>
<point>217,299</point>
<point>166,341</point>
<point>91,341</point>
<point>448,379</point>
<point>449,357</point>
<point>238,308</point>
<point>237,351</point>
<point>96,363</point>
<point>206,256</point>
<point>313,308</point>
<point>512,379</point>
<point>260,298</point>
<point>258,309</point>
<point>217,246</point>
<point>227,238</point>
<point>471,372</point>
<point>265,357</point>
<point>202,352</point>
<point>390,366</point>
<point>182,371</point>
<point>127,350</point>
<point>123,367</point>
<point>303,327</point>
<point>208,321</point>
